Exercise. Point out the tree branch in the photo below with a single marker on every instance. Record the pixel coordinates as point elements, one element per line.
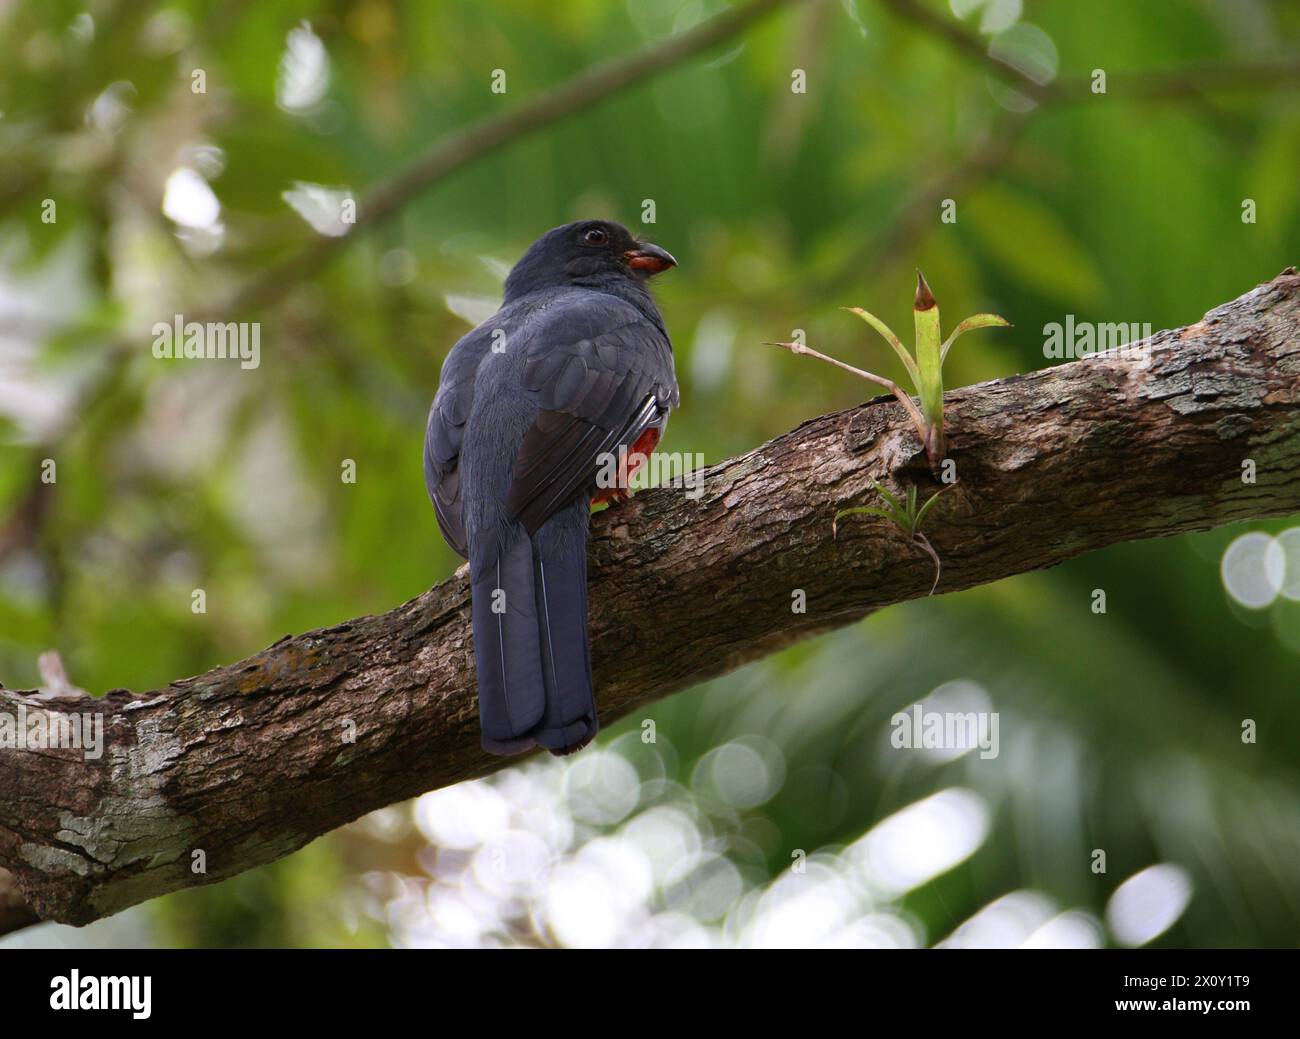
<point>471,143</point>
<point>249,762</point>
<point>449,154</point>
<point>917,213</point>
<point>1185,81</point>
<point>14,911</point>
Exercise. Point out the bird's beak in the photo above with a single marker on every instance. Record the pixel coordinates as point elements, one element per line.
<point>650,258</point>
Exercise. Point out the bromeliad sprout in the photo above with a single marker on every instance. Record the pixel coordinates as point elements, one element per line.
<point>926,368</point>
<point>904,514</point>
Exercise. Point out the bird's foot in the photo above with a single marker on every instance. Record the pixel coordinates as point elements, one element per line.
<point>611,496</point>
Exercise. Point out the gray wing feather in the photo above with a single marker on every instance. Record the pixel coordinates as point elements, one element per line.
<point>600,373</point>
<point>445,433</point>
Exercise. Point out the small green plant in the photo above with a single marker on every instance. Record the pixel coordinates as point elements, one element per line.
<point>926,368</point>
<point>904,514</point>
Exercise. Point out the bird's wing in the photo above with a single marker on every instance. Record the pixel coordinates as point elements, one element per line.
<point>601,373</point>
<point>445,432</point>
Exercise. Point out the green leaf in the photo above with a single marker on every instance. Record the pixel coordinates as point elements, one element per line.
<point>883,491</point>
<point>889,337</point>
<point>973,322</point>
<point>860,510</point>
<point>925,314</point>
<point>920,516</point>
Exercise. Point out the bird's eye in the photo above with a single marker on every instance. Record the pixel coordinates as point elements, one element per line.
<point>595,236</point>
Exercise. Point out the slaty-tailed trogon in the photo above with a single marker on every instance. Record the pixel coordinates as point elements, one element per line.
<point>573,371</point>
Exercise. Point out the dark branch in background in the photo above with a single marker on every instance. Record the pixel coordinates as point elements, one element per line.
<point>1186,81</point>
<point>962,40</point>
<point>251,761</point>
<point>1191,82</point>
<point>450,154</point>
<point>595,85</point>
<point>463,147</point>
<point>467,145</point>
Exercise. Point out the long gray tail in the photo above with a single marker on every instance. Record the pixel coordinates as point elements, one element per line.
<point>530,639</point>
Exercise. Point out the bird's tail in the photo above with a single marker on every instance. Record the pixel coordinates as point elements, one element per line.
<point>530,642</point>
<point>560,582</point>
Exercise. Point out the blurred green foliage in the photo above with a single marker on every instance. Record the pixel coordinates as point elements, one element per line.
<point>1122,730</point>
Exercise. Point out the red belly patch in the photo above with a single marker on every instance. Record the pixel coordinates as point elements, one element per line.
<point>628,465</point>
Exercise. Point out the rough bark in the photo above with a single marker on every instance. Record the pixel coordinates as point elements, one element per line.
<point>14,911</point>
<point>250,761</point>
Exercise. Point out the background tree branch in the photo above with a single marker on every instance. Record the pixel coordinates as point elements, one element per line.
<point>1187,83</point>
<point>250,761</point>
<point>448,155</point>
<point>473,142</point>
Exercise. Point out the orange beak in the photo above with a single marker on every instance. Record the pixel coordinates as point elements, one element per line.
<point>650,258</point>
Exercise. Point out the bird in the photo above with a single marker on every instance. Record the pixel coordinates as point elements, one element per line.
<point>573,372</point>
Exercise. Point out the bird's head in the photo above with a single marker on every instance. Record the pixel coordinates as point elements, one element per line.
<point>597,254</point>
